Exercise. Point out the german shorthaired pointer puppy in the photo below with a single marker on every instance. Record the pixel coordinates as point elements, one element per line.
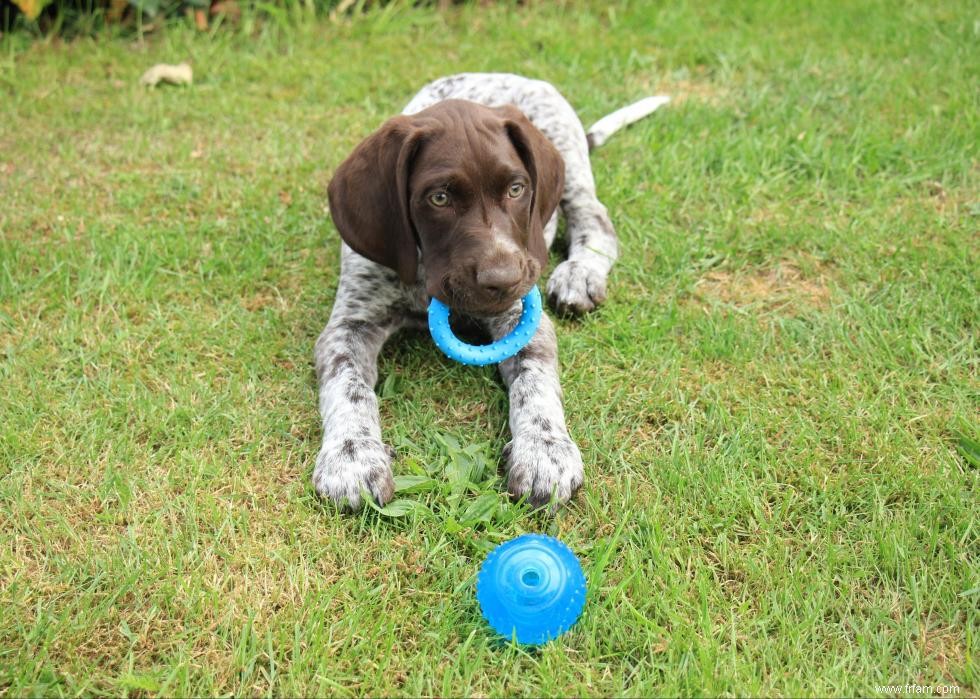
<point>457,199</point>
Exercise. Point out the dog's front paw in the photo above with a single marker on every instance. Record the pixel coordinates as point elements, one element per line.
<point>546,468</point>
<point>345,466</point>
<point>576,287</point>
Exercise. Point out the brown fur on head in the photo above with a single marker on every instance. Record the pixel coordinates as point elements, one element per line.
<point>469,186</point>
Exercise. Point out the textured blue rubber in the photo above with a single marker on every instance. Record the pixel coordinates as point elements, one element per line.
<point>480,355</point>
<point>531,588</point>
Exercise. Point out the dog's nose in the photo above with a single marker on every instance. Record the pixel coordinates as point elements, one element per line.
<point>498,279</point>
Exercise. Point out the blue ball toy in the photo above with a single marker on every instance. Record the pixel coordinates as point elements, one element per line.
<point>531,588</point>
<point>481,355</point>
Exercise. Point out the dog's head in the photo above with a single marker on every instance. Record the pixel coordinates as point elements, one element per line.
<point>468,186</point>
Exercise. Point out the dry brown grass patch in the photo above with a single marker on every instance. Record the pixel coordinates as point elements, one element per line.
<point>784,288</point>
<point>943,645</point>
<point>694,85</point>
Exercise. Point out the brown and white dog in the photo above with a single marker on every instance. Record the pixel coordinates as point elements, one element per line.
<point>458,199</point>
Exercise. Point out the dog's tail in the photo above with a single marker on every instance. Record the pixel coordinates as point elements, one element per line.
<point>611,123</point>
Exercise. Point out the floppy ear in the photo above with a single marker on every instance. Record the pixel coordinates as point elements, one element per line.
<point>369,198</point>
<point>547,170</point>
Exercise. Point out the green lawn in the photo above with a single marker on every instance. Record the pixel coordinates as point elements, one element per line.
<point>775,406</point>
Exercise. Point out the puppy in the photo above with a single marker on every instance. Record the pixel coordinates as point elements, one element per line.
<point>458,199</point>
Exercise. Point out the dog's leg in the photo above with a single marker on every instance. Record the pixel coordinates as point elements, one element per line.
<point>352,455</point>
<point>578,284</point>
<point>542,460</point>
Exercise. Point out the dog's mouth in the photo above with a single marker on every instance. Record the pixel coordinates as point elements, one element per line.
<point>479,302</point>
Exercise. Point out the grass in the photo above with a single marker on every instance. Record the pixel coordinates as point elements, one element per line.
<point>777,407</point>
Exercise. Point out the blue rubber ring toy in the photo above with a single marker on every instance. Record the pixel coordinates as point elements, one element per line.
<point>481,355</point>
<point>531,588</point>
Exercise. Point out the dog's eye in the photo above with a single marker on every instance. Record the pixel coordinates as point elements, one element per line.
<point>439,199</point>
<point>515,190</point>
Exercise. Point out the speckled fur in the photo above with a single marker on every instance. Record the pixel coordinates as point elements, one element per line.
<point>543,463</point>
